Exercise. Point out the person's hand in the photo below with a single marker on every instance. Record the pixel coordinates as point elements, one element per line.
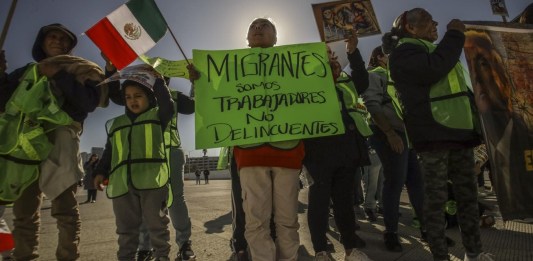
<point>395,141</point>
<point>3,63</point>
<point>477,168</point>
<point>99,182</point>
<point>193,73</point>
<point>108,64</point>
<point>47,69</point>
<point>351,43</point>
<point>456,24</point>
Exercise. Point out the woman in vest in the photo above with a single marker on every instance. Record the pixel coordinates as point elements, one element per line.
<point>400,164</point>
<point>135,162</point>
<point>440,120</point>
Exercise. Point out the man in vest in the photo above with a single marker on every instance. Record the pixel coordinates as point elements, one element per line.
<point>60,171</point>
<point>332,161</point>
<point>440,122</point>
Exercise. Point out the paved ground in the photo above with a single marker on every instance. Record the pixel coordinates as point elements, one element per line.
<point>210,210</point>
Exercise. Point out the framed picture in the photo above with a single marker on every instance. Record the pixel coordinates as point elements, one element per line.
<point>498,7</point>
<point>335,20</point>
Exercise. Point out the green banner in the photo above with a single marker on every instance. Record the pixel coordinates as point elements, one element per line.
<point>167,67</point>
<point>259,95</point>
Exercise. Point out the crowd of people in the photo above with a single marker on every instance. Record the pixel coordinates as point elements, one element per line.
<point>142,166</point>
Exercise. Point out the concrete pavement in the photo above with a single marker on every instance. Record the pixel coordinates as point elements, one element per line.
<point>210,211</point>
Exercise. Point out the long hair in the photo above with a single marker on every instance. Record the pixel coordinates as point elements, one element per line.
<point>482,48</point>
<point>374,57</point>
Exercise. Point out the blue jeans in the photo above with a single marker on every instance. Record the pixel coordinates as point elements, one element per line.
<point>398,169</point>
<point>179,213</point>
<point>373,182</point>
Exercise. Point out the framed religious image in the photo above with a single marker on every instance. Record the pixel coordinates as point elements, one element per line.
<point>335,20</point>
<point>498,7</point>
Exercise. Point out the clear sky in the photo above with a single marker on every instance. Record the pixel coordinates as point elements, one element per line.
<point>209,25</point>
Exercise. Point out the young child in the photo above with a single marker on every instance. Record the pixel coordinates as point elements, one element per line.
<point>135,162</point>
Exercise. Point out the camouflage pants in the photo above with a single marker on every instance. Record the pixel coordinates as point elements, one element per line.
<point>456,165</point>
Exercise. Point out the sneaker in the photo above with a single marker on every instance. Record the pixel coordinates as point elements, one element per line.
<point>240,256</point>
<point>392,242</point>
<point>356,255</point>
<point>481,257</point>
<point>370,215</point>
<point>186,252</point>
<point>144,255</point>
<point>322,256</point>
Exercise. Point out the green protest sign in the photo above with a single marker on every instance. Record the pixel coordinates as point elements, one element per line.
<point>258,95</point>
<point>167,67</point>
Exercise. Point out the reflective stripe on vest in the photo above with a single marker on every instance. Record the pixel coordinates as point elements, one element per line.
<point>138,154</point>
<point>22,127</point>
<point>351,100</point>
<point>450,104</point>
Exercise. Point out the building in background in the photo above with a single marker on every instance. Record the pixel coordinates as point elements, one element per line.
<point>94,150</point>
<point>201,163</point>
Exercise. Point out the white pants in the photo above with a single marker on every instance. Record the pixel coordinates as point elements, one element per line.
<point>271,192</point>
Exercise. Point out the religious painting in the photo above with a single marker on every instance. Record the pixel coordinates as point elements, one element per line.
<point>500,63</point>
<point>498,7</point>
<point>335,20</point>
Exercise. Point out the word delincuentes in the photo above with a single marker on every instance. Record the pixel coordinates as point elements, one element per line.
<point>289,64</point>
<point>225,132</point>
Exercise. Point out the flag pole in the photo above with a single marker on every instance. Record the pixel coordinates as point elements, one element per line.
<point>176,41</point>
<point>7,23</point>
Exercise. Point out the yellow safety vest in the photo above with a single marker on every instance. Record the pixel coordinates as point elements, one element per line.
<point>31,111</point>
<point>138,153</point>
<point>449,98</point>
<point>353,104</point>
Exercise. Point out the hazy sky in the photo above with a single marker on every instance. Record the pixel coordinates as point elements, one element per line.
<point>210,25</point>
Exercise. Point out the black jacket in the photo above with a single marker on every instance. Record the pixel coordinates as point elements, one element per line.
<point>350,147</point>
<point>414,70</point>
<point>78,99</point>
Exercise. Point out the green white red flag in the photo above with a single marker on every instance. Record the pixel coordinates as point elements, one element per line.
<point>130,31</point>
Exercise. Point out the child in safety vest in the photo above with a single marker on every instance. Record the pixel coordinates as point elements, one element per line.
<point>135,162</point>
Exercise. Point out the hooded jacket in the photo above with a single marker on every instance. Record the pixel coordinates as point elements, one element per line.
<point>78,99</point>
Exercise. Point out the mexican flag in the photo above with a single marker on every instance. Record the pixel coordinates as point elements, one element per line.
<point>130,31</point>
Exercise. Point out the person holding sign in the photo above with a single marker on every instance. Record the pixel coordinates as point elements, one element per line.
<point>137,167</point>
<point>332,161</point>
<point>440,120</point>
<point>269,175</point>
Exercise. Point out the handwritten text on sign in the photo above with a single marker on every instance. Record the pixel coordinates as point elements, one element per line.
<point>260,95</point>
